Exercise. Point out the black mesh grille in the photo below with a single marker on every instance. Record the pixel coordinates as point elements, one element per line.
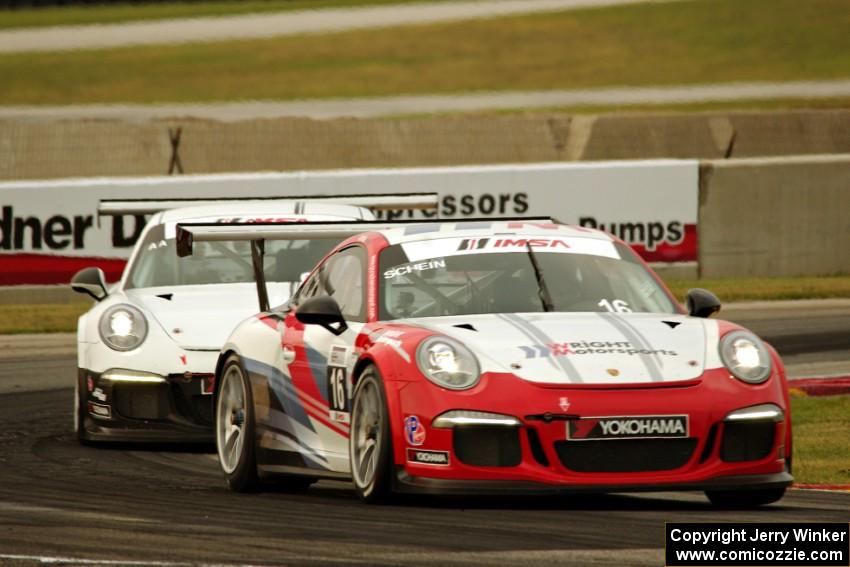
<point>488,446</point>
<point>625,455</point>
<point>141,401</point>
<point>747,441</point>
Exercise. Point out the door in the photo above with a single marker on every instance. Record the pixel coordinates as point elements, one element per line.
<point>319,363</point>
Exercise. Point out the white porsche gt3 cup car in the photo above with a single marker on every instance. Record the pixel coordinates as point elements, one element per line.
<point>147,349</point>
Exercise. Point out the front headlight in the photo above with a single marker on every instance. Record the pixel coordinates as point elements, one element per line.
<point>746,357</point>
<point>447,363</point>
<point>123,327</point>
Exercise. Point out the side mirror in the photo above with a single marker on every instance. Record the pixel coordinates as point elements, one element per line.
<point>702,303</point>
<point>322,310</point>
<point>90,281</point>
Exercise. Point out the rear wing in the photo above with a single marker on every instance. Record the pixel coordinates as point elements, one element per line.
<point>258,233</point>
<point>375,202</point>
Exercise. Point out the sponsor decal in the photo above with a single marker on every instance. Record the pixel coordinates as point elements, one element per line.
<point>415,267</point>
<point>183,359</point>
<point>99,394</point>
<point>340,417</point>
<point>613,372</point>
<point>338,357</point>
<point>490,243</point>
<point>564,403</point>
<point>590,347</point>
<point>390,338</point>
<point>373,289</point>
<point>629,427</point>
<point>473,243</point>
<point>101,411</point>
<point>414,431</point>
<point>419,456</point>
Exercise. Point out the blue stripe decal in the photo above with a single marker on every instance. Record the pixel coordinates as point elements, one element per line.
<point>319,369</point>
<point>282,388</point>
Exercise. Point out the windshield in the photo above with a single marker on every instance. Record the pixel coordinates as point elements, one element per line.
<point>157,263</point>
<point>468,276</point>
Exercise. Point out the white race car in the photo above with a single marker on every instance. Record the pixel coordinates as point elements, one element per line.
<point>147,349</point>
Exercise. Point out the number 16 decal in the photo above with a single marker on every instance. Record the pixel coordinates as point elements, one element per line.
<point>338,385</point>
<point>337,398</point>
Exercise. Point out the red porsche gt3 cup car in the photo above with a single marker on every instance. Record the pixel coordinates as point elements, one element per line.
<point>496,357</point>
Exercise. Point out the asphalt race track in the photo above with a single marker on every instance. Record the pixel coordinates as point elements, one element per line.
<point>62,503</point>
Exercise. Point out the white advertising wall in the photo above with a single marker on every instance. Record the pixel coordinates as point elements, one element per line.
<point>50,229</point>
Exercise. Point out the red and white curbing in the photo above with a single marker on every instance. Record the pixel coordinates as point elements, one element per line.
<point>823,487</point>
<point>821,386</point>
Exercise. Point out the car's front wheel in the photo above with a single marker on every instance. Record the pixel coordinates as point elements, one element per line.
<point>744,498</point>
<point>370,446</point>
<point>234,428</point>
<point>80,412</point>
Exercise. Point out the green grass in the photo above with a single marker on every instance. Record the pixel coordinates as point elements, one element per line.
<point>647,44</point>
<point>128,12</point>
<point>770,289</point>
<point>41,318</point>
<point>821,439</point>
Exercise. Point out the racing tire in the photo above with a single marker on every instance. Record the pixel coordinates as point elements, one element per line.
<point>80,413</point>
<point>369,443</point>
<point>234,428</point>
<point>732,499</point>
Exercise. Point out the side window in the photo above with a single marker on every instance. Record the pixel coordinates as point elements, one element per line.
<point>342,278</point>
<point>310,288</point>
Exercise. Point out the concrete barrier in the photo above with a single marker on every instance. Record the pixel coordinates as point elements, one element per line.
<point>787,216</point>
<point>92,148</point>
<point>44,150</point>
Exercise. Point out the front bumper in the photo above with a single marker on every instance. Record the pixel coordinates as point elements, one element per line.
<point>421,485</point>
<point>177,409</point>
<point>539,456</point>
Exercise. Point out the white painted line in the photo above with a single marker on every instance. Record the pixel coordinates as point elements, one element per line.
<point>59,560</point>
<point>266,25</point>
<point>372,107</point>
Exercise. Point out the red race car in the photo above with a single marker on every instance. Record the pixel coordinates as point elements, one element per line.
<point>494,357</point>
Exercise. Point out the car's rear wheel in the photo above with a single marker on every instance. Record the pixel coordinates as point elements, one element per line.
<point>744,498</point>
<point>234,428</point>
<point>370,446</point>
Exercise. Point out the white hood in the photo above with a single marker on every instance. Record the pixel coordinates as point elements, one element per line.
<point>201,317</point>
<point>586,348</point>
